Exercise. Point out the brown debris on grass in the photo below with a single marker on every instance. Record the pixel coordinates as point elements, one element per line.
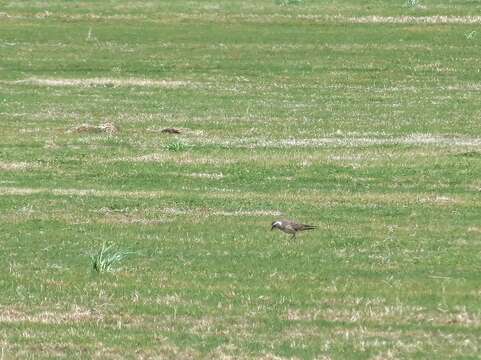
<point>170,131</point>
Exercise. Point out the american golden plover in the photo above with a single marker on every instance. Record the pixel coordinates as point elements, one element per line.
<point>291,227</point>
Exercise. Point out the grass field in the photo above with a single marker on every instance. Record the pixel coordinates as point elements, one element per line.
<point>361,117</point>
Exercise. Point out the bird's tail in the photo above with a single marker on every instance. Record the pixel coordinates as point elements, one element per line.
<point>309,227</point>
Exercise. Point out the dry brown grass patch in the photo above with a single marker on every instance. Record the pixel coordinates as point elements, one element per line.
<point>343,141</point>
<point>213,176</point>
<point>75,315</point>
<point>325,200</point>
<point>16,166</point>
<point>108,128</point>
<point>183,158</point>
<point>109,82</point>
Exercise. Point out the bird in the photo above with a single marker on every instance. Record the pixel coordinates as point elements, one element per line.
<point>291,227</point>
<point>170,131</point>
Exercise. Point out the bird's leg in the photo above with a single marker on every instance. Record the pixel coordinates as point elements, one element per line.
<point>293,236</point>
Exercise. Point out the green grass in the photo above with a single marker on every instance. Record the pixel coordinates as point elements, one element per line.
<point>359,117</point>
<point>107,258</point>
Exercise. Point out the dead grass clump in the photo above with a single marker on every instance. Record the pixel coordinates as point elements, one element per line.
<point>108,128</point>
<point>130,219</point>
<point>463,318</point>
<point>15,166</point>
<point>75,315</point>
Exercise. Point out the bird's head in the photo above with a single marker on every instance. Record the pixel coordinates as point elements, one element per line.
<point>275,224</point>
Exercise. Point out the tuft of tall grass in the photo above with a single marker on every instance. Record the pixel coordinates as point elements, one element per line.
<point>107,258</point>
<point>288,2</point>
<point>176,146</point>
<point>412,3</point>
<point>470,35</point>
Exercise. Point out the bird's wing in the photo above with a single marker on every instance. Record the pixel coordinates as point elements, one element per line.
<point>294,226</point>
<point>307,227</point>
<point>290,227</point>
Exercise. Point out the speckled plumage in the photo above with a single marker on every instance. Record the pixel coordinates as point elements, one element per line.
<point>291,227</point>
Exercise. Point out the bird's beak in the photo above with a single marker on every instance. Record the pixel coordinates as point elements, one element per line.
<point>272,228</point>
